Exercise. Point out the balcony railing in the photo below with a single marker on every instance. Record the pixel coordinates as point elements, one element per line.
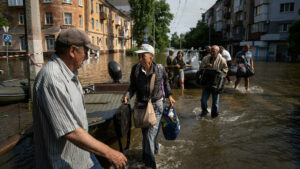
<point>103,15</point>
<point>259,2</point>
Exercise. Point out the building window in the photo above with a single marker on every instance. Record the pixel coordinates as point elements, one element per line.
<point>93,23</point>
<point>98,41</point>
<point>68,1</point>
<point>68,19</point>
<point>21,18</point>
<point>101,25</point>
<point>22,43</point>
<point>80,21</point>
<point>15,2</point>
<point>97,24</point>
<point>80,2</point>
<point>284,27</point>
<point>48,18</point>
<point>287,7</point>
<point>50,39</point>
<point>47,1</point>
<point>97,8</point>
<point>92,6</point>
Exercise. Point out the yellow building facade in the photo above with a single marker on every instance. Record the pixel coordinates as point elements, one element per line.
<point>107,27</point>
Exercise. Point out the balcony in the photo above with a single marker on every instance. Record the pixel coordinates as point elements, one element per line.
<point>270,37</point>
<point>259,2</point>
<point>261,18</point>
<point>103,15</point>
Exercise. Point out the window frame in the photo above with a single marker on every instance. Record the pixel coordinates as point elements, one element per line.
<point>47,1</point>
<point>65,18</point>
<point>80,3</point>
<point>80,21</point>
<point>50,46</point>
<point>22,43</point>
<point>46,18</point>
<point>67,1</point>
<point>21,21</point>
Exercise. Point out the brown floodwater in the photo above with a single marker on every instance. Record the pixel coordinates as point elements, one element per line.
<point>255,129</point>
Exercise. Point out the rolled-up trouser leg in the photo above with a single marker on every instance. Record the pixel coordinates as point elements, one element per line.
<point>150,136</point>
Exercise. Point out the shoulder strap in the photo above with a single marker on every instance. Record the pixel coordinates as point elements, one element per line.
<point>152,83</point>
<point>137,71</point>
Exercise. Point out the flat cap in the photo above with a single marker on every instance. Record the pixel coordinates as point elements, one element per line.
<point>73,36</point>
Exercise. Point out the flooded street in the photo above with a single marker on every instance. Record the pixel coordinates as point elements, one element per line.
<point>255,129</point>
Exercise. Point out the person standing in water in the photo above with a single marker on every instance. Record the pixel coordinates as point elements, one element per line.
<point>179,64</point>
<point>244,56</point>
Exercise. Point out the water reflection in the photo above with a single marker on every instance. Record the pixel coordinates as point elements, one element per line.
<point>95,70</point>
<point>15,68</point>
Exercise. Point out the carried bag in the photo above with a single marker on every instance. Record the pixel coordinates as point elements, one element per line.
<point>232,70</point>
<point>145,116</point>
<point>211,78</point>
<point>250,71</point>
<point>170,123</point>
<point>241,70</point>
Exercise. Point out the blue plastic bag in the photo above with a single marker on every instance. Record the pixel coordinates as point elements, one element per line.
<point>170,123</point>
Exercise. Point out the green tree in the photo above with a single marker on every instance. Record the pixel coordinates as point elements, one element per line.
<point>175,41</point>
<point>199,36</point>
<point>163,18</point>
<point>3,20</point>
<point>142,14</point>
<point>154,15</point>
<point>294,40</point>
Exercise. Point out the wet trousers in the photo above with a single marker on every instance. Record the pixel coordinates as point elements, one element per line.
<point>150,144</point>
<point>206,91</point>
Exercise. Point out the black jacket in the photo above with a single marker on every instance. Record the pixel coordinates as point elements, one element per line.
<point>141,84</point>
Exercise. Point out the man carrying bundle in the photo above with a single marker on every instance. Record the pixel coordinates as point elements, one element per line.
<point>217,62</point>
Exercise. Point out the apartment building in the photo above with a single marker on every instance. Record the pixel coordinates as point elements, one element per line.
<point>108,27</point>
<point>263,24</point>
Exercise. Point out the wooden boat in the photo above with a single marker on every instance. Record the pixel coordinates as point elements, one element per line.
<point>13,91</point>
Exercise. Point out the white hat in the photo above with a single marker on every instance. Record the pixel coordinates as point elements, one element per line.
<point>145,48</point>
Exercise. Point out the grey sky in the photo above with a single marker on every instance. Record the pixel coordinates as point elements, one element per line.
<point>187,13</point>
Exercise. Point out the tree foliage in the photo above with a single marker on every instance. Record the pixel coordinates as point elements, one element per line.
<point>175,40</point>
<point>3,20</point>
<point>294,39</point>
<point>199,36</point>
<point>145,14</point>
<point>163,18</point>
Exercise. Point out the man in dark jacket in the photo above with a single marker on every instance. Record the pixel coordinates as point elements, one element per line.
<point>140,78</point>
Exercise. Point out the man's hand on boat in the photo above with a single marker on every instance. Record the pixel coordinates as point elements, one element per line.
<point>124,99</point>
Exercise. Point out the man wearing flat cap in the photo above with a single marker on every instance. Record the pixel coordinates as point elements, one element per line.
<point>61,137</point>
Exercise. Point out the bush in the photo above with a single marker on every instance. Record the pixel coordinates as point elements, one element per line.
<point>130,52</point>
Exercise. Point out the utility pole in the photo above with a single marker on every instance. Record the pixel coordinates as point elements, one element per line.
<point>34,39</point>
<point>154,33</point>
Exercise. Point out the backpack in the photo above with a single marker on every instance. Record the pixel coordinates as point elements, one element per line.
<point>160,69</point>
